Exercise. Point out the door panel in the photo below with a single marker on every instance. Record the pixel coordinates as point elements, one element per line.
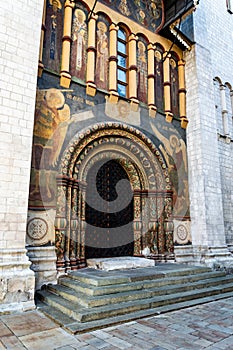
<point>109,233</point>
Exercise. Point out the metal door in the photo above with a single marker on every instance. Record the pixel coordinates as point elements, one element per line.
<point>108,233</point>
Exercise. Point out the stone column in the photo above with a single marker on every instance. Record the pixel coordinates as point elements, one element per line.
<point>74,225</point>
<point>182,94</point>
<point>167,88</point>
<point>40,65</point>
<point>113,98</point>
<point>133,72</point>
<point>151,81</point>
<point>66,44</point>
<point>61,223</point>
<point>83,224</point>
<point>91,52</point>
<point>137,223</point>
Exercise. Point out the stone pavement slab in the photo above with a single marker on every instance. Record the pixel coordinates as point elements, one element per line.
<point>207,326</point>
<point>27,323</point>
<point>51,339</point>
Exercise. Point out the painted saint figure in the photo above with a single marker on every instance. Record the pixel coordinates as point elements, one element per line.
<point>79,36</point>
<point>175,154</point>
<point>123,7</point>
<point>53,35</point>
<point>102,56</point>
<point>142,72</point>
<point>51,121</point>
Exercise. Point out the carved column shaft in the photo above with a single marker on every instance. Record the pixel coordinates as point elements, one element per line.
<point>74,225</point>
<point>82,186</point>
<point>61,222</point>
<point>168,224</point>
<point>137,224</point>
<point>153,223</point>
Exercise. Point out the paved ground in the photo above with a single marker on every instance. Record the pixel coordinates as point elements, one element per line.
<point>208,326</point>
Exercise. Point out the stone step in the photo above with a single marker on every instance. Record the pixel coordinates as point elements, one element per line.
<point>101,278</point>
<point>81,314</point>
<point>92,290</point>
<point>75,327</point>
<point>143,293</point>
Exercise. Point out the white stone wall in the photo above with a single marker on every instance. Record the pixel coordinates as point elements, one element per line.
<point>20,26</point>
<point>210,162</point>
<point>226,163</point>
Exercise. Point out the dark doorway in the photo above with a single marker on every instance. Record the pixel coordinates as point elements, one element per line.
<point>109,211</point>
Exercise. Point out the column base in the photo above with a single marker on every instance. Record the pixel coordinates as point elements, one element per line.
<point>43,264</point>
<point>134,103</point>
<point>214,257</point>
<point>113,97</point>
<point>91,89</point>
<point>184,254</point>
<point>65,79</point>
<point>169,117</point>
<point>184,123</point>
<point>17,283</point>
<point>152,111</point>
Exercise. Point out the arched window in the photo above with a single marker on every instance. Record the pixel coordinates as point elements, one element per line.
<point>102,52</point>
<point>142,69</point>
<point>122,62</point>
<point>79,43</point>
<point>174,84</point>
<point>159,91</point>
<point>218,105</point>
<point>229,6</point>
<point>229,108</point>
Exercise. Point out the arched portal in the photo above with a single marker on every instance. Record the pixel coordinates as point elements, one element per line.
<point>97,161</point>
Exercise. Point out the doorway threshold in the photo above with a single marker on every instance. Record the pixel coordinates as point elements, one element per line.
<point>119,263</point>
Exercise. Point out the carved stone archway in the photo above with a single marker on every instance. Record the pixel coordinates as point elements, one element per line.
<point>148,176</point>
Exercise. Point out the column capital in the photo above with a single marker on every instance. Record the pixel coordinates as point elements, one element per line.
<point>94,17</point>
<point>166,56</point>
<point>69,3</point>
<point>181,63</point>
<point>133,37</point>
<point>150,46</point>
<point>113,26</point>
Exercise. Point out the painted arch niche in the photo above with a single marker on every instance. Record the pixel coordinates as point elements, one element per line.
<point>147,179</point>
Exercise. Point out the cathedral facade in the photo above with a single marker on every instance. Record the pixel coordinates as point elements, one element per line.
<point>117,133</point>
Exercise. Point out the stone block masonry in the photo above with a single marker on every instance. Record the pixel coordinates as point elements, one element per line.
<point>20,26</point>
<point>210,174</point>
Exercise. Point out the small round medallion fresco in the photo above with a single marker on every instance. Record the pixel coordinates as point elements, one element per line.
<point>182,232</point>
<point>37,228</point>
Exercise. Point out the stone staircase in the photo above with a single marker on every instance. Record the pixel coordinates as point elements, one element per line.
<point>88,299</point>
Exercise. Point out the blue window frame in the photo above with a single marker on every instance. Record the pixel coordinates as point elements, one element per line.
<point>122,63</point>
